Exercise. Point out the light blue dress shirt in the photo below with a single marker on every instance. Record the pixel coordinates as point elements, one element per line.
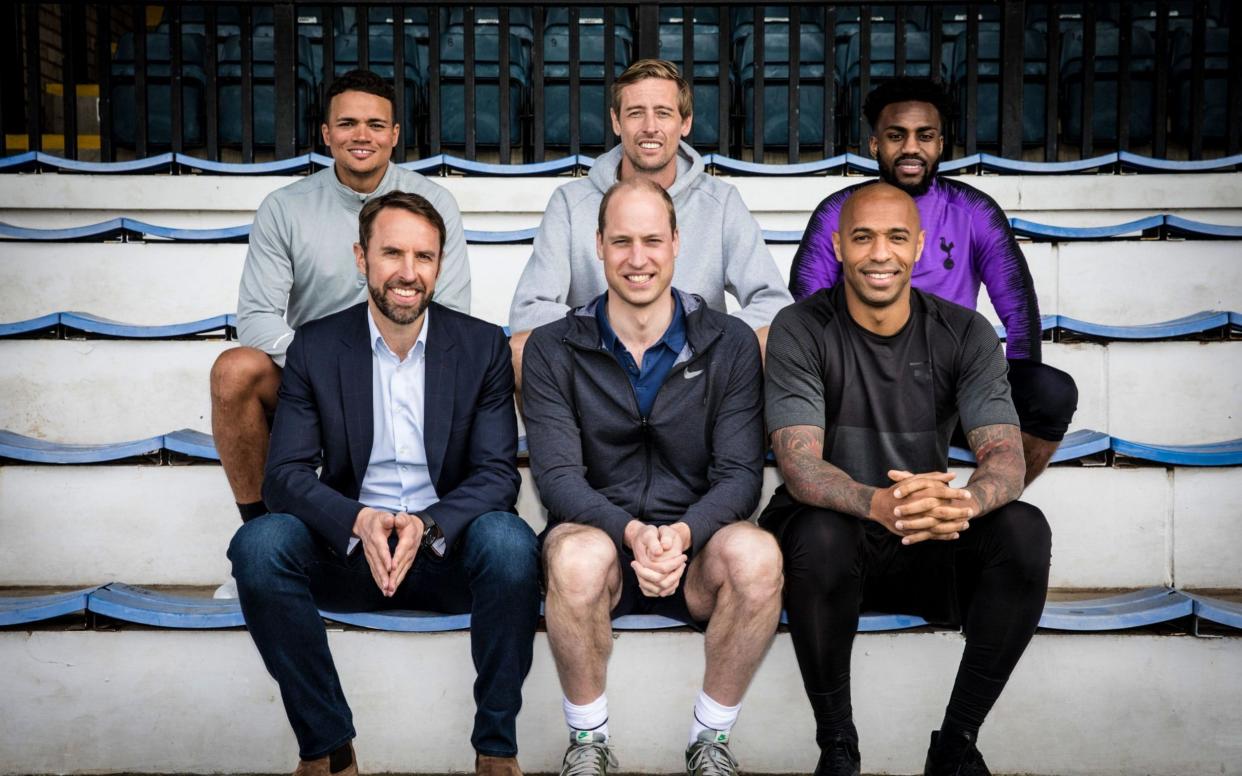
<point>397,478</point>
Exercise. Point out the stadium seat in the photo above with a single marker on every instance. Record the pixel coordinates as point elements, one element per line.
<point>705,80</point>
<point>777,74</point>
<point>883,64</point>
<point>1105,67</point>
<point>594,123</point>
<point>987,116</point>
<point>486,86</point>
<point>263,82</point>
<point>380,60</point>
<point>1214,111</point>
<point>159,90</point>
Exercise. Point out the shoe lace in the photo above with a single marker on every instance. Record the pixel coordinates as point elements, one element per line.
<point>711,758</point>
<point>590,759</point>
<point>838,757</point>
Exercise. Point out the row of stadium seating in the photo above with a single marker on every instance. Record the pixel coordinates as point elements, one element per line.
<point>142,606</point>
<point>845,49</point>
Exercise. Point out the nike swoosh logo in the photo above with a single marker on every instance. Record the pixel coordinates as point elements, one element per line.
<point>690,375</point>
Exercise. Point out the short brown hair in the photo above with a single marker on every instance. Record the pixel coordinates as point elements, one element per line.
<point>400,200</point>
<point>360,81</point>
<point>638,183</point>
<point>654,68</point>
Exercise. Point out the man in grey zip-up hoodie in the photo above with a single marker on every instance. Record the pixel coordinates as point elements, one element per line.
<point>722,246</point>
<point>646,444</point>
<point>300,266</point>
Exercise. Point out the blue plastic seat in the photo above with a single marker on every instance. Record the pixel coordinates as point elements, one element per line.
<point>382,62</point>
<point>263,72</point>
<point>1117,612</point>
<point>594,122</point>
<point>883,64</point>
<point>777,73</point>
<point>159,90</point>
<point>486,87</point>
<point>1034,87</point>
<point>1105,66</point>
<point>705,80</point>
<point>20,610</point>
<point>1216,77</point>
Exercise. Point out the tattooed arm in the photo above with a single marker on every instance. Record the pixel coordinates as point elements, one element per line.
<point>1001,468</point>
<point>813,481</point>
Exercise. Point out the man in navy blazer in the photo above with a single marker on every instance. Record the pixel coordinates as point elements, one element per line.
<point>405,408</point>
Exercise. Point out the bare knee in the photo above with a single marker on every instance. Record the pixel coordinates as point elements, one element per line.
<point>751,562</point>
<point>578,561</point>
<point>244,374</point>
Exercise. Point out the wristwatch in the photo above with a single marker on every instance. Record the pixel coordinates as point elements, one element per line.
<point>433,536</point>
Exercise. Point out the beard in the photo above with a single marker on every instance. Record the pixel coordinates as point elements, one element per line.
<point>400,315</point>
<point>888,174</point>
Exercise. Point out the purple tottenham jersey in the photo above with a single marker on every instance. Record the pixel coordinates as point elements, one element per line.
<point>968,240</point>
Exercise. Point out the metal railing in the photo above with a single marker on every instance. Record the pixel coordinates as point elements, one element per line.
<point>1030,78</point>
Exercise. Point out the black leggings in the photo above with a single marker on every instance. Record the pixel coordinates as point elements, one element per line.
<point>994,580</point>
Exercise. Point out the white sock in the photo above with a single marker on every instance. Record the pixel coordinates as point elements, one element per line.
<point>591,717</point>
<point>710,715</point>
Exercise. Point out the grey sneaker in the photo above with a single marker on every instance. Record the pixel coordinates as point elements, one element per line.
<point>710,755</point>
<point>588,755</point>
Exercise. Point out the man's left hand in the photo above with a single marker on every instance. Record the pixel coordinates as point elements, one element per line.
<point>409,530</point>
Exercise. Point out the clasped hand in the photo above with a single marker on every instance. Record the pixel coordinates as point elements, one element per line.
<point>659,556</point>
<point>373,527</point>
<point>919,507</point>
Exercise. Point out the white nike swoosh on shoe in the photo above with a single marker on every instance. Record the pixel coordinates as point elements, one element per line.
<point>690,374</point>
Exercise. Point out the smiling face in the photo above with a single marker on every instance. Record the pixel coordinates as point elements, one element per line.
<point>879,241</point>
<point>401,263</point>
<point>638,247</point>
<point>907,143</point>
<point>360,134</point>
<point>650,125</point>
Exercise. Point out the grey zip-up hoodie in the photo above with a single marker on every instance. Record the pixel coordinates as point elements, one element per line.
<point>698,456</point>
<point>722,248</point>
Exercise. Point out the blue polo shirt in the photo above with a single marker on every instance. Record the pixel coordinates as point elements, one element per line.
<point>658,360</point>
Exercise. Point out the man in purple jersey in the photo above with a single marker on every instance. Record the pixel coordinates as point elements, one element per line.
<point>968,241</point>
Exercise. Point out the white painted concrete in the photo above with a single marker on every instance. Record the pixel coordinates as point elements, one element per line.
<point>163,701</point>
<point>1088,365</point>
<point>1175,392</point>
<point>1207,545</point>
<point>170,525</point>
<point>105,390</point>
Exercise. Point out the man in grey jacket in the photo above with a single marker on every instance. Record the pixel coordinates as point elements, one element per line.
<point>643,414</point>
<point>300,266</point>
<point>723,248</point>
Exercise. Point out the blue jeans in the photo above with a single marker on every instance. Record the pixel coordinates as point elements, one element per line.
<point>285,573</point>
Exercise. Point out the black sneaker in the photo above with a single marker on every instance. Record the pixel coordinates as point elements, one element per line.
<point>838,756</point>
<point>958,757</point>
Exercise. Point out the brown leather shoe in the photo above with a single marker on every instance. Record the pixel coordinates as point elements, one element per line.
<point>486,765</point>
<point>321,766</point>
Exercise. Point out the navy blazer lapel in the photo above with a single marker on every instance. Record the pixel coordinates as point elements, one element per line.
<point>357,392</point>
<point>438,398</point>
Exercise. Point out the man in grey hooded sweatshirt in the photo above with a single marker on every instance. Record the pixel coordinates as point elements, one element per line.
<point>722,248</point>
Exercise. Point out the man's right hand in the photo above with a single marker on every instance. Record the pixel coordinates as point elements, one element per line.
<point>658,571</point>
<point>919,507</point>
<point>373,527</point>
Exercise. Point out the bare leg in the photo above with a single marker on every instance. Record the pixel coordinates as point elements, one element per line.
<point>736,582</point>
<point>517,343</point>
<point>584,584</point>
<point>1037,453</point>
<point>243,391</point>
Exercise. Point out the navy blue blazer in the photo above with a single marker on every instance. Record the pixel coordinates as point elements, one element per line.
<point>324,421</point>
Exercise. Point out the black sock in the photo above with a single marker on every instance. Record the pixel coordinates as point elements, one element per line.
<point>342,758</point>
<point>252,510</point>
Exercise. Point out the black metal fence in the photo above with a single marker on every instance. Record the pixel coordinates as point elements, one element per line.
<point>1030,79</point>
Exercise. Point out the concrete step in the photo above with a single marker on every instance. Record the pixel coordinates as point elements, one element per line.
<point>157,283</point>
<point>170,525</point>
<point>200,701</point>
<point>112,391</point>
<point>53,199</point>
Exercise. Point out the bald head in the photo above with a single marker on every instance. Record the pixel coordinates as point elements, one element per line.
<point>879,196</point>
<point>878,240</point>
